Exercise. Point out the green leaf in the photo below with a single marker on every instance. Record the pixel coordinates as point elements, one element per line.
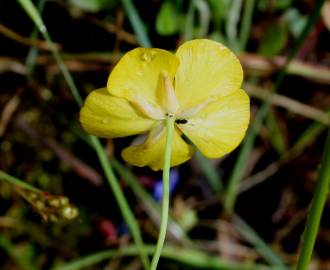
<point>276,137</point>
<point>167,21</point>
<point>274,40</point>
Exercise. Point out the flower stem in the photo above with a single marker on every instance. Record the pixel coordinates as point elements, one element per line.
<point>121,200</point>
<point>315,213</point>
<point>127,213</point>
<point>166,191</point>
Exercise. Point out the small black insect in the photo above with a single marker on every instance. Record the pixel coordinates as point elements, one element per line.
<point>181,121</point>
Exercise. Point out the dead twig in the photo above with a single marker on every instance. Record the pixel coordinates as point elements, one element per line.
<point>112,28</point>
<point>8,112</point>
<point>289,104</point>
<point>257,64</point>
<point>81,168</point>
<point>11,64</point>
<point>40,44</point>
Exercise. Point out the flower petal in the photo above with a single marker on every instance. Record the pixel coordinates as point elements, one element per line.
<point>138,72</point>
<point>220,126</point>
<point>206,69</point>
<point>151,153</point>
<point>107,116</point>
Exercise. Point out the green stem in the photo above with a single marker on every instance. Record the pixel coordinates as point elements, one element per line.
<point>204,17</point>
<point>193,259</point>
<point>120,198</point>
<point>317,206</point>
<point>128,216</point>
<point>259,244</point>
<point>17,182</point>
<point>246,23</point>
<point>210,172</point>
<point>189,22</point>
<point>232,22</point>
<point>166,191</point>
<point>136,23</point>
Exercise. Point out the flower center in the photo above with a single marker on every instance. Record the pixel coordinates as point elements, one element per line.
<point>168,103</point>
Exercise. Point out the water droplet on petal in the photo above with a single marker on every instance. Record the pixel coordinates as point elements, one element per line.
<point>147,56</point>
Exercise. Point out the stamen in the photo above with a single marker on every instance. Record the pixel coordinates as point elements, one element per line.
<point>169,100</point>
<point>148,108</point>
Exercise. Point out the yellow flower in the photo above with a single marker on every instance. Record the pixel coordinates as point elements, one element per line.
<point>199,86</point>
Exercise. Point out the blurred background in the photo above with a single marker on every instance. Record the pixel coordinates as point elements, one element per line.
<point>244,211</point>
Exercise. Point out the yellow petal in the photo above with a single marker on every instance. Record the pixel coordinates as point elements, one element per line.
<point>151,153</point>
<point>206,69</point>
<point>107,116</point>
<point>220,126</point>
<point>137,74</point>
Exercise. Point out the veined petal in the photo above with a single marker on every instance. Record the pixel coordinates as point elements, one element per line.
<point>138,73</point>
<point>107,116</point>
<point>206,69</point>
<point>151,153</point>
<point>220,126</point>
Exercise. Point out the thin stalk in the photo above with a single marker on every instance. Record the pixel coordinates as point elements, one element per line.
<point>189,22</point>
<point>317,206</point>
<point>210,172</point>
<point>194,258</point>
<point>250,235</point>
<point>17,182</point>
<point>232,22</point>
<point>136,23</point>
<point>31,58</point>
<point>166,192</point>
<point>120,198</point>
<point>240,165</point>
<point>246,23</point>
<point>152,207</point>
<point>128,216</point>
<point>204,17</point>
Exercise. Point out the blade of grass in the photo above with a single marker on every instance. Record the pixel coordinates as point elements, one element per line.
<point>189,22</point>
<point>231,25</point>
<point>17,182</point>
<point>246,23</point>
<point>268,254</point>
<point>31,58</point>
<point>210,172</point>
<point>136,23</point>
<point>110,176</point>
<point>276,137</point>
<point>240,165</point>
<point>189,257</point>
<point>316,209</point>
<point>204,17</point>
